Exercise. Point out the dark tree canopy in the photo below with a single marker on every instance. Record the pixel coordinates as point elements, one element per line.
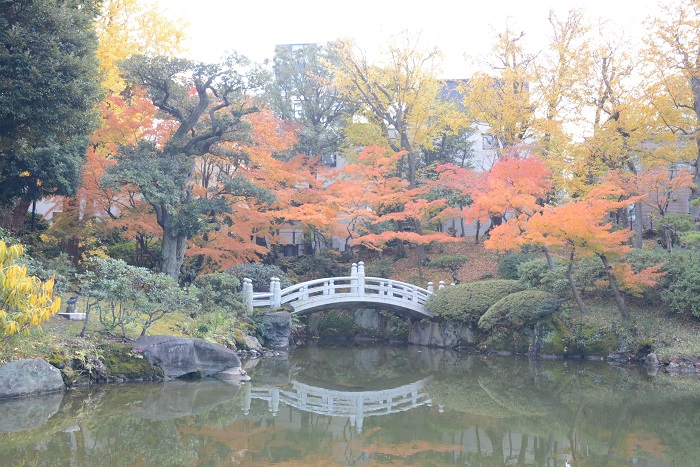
<point>49,88</point>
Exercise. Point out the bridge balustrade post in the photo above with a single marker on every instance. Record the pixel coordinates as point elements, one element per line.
<point>442,285</point>
<point>248,295</point>
<point>353,279</point>
<point>276,291</point>
<point>274,404</point>
<point>247,398</point>
<point>414,296</point>
<point>431,290</point>
<point>360,413</point>
<point>361,279</point>
<point>305,292</point>
<point>331,287</point>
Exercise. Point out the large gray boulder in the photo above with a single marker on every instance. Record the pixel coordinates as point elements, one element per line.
<point>278,328</point>
<point>180,356</point>
<point>29,376</point>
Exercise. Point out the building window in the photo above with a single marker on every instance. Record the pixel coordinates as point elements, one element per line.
<point>290,250</point>
<point>329,160</point>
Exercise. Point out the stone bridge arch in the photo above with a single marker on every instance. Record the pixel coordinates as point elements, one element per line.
<point>354,291</point>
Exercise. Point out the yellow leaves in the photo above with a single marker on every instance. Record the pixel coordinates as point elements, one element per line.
<point>9,254</point>
<point>25,301</point>
<point>127,27</point>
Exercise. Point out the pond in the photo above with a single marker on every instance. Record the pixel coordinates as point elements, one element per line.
<point>367,406</point>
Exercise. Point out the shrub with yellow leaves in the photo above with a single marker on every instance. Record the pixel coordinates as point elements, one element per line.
<point>25,301</point>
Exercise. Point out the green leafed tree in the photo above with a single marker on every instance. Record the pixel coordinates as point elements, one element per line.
<point>49,88</point>
<point>302,93</point>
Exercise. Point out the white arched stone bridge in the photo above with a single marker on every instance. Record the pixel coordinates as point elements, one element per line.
<point>354,291</point>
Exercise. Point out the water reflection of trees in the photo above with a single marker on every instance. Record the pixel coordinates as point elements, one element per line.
<point>485,411</point>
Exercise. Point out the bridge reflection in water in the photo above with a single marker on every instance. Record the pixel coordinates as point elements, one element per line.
<point>356,405</point>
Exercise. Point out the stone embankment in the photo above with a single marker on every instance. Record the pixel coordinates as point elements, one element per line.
<point>150,358</point>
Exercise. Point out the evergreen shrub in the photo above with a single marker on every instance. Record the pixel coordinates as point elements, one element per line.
<point>519,309</point>
<point>678,222</point>
<point>219,292</point>
<point>535,274</point>
<point>682,282</point>
<point>467,302</point>
<point>508,264</point>
<point>383,268</point>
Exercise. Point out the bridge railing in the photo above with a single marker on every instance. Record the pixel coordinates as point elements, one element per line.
<point>356,285</point>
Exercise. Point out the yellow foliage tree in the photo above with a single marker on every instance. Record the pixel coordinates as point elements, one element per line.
<point>673,58</point>
<point>500,101</point>
<point>128,27</point>
<point>25,301</point>
<point>399,98</point>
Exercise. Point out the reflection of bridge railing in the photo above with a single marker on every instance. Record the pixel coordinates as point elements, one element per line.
<point>353,404</point>
<point>356,289</point>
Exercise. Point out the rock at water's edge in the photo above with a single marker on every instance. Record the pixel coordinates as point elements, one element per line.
<point>29,376</point>
<point>278,328</point>
<point>252,343</point>
<point>180,356</point>
<point>444,335</point>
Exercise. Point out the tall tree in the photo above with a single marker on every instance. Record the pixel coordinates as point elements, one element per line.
<point>560,76</point>
<point>302,92</point>
<point>207,103</point>
<point>499,102</point>
<point>399,98</point>
<point>673,55</point>
<point>49,88</point>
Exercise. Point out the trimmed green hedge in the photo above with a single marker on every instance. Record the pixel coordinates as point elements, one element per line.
<point>467,302</point>
<point>519,309</point>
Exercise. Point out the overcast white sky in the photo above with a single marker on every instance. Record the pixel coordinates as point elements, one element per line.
<point>253,28</point>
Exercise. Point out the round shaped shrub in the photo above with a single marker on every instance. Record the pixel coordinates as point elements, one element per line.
<point>519,309</point>
<point>536,274</point>
<point>467,302</point>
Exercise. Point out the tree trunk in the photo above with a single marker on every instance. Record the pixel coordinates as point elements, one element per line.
<point>638,225</point>
<point>548,254</point>
<point>13,215</point>
<point>695,189</point>
<point>572,284</point>
<point>173,254</point>
<point>619,299</point>
<point>421,258</point>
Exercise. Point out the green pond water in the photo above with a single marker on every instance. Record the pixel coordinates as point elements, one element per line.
<point>368,406</point>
